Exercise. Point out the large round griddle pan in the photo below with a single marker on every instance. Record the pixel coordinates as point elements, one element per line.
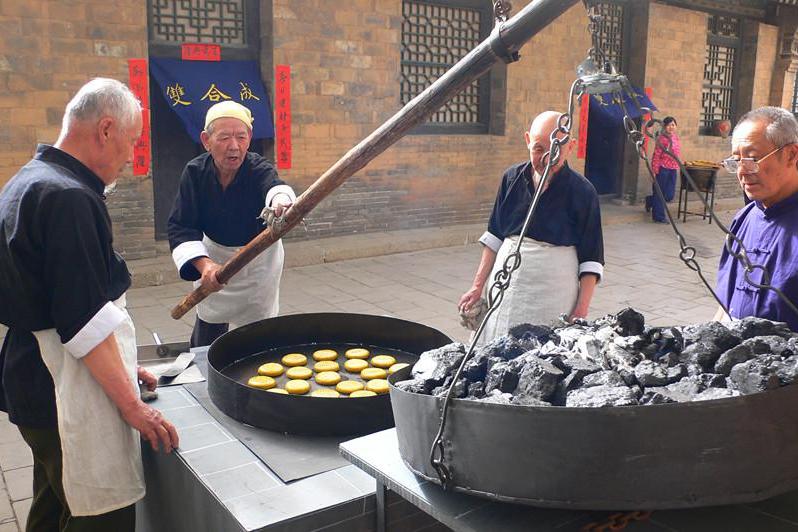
<point>680,455</point>
<point>236,354</point>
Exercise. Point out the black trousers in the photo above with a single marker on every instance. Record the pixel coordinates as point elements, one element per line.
<point>49,511</point>
<point>205,333</point>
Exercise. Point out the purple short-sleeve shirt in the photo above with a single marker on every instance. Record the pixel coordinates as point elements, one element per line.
<point>771,237</point>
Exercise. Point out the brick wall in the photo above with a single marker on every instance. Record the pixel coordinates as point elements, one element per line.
<point>344,59</point>
<point>48,50</point>
<point>766,52</point>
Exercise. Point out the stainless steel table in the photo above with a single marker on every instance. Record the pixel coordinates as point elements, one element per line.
<point>378,455</point>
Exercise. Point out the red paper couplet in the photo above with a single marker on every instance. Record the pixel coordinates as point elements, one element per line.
<point>201,52</point>
<point>282,115</point>
<point>584,108</point>
<point>139,84</point>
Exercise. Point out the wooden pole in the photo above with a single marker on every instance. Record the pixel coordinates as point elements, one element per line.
<point>513,34</point>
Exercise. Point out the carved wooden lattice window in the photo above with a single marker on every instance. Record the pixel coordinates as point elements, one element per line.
<point>611,32</point>
<point>720,76</point>
<point>198,21</point>
<point>434,37</point>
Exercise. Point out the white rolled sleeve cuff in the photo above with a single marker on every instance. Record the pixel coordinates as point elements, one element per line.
<point>100,326</point>
<point>592,267</point>
<point>188,251</point>
<point>490,240</point>
<point>279,189</point>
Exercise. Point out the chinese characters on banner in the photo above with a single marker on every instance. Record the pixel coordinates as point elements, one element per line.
<point>201,52</point>
<point>584,108</point>
<point>282,114</point>
<point>647,116</point>
<point>139,84</point>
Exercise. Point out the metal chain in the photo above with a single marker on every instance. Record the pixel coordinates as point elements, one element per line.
<point>558,138</point>
<point>616,521</point>
<point>501,10</point>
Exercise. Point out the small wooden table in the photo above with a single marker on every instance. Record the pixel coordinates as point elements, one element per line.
<point>705,179</point>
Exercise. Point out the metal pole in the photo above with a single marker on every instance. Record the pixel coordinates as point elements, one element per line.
<point>503,43</point>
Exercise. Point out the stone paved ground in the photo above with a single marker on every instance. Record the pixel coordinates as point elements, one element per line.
<point>642,271</point>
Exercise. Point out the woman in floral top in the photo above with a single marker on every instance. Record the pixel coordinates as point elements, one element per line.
<point>665,168</point>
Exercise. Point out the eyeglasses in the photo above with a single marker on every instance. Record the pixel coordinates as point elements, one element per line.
<point>749,165</point>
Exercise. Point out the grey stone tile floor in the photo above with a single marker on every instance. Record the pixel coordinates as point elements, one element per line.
<point>642,270</point>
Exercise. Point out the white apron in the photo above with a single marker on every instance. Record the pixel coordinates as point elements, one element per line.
<point>543,287</point>
<point>101,454</point>
<point>252,294</point>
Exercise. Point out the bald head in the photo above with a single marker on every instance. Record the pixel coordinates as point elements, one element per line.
<point>538,141</point>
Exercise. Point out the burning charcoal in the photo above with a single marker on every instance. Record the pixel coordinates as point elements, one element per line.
<point>588,347</point>
<point>735,355</point>
<point>650,373</point>
<point>603,378</point>
<point>538,379</point>
<point>716,393</point>
<point>713,333</point>
<point>629,322</point>
<point>415,386</point>
<point>527,331</point>
<point>525,400</point>
<point>436,364</point>
<point>755,375</point>
<point>598,396</point>
<point>656,396</point>
<point>503,377</point>
<point>498,398</point>
<point>676,373</point>
<point>476,390</point>
<point>751,326</point>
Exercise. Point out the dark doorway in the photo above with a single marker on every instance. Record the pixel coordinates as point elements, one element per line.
<point>604,157</point>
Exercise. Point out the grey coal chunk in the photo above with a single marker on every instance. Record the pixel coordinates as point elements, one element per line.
<point>498,398</point>
<point>588,347</point>
<point>415,386</point>
<point>603,378</point>
<point>670,360</point>
<point>569,335</point>
<point>712,380</point>
<point>656,396</point>
<point>788,370</point>
<point>631,343</point>
<point>504,347</point>
<point>606,334</point>
<point>435,365</point>
<point>538,379</point>
<point>703,354</point>
<point>649,373</point>
<point>755,375</point>
<point>527,331</point>
<point>576,369</point>
<point>772,344</point>
<point>629,322</point>
<point>599,396</point>
<point>614,357</point>
<point>502,377</point>
<point>694,369</point>
<point>676,373</point>
<point>712,332</point>
<point>716,393</point>
<point>476,368</point>
<point>666,340</point>
<point>476,390</point>
<point>460,389</point>
<point>687,388</point>
<point>732,357</point>
<point>752,326</point>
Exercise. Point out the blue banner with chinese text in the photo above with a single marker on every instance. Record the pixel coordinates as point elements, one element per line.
<point>609,107</point>
<point>191,87</point>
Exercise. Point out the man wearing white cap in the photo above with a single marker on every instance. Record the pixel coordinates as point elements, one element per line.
<point>221,196</point>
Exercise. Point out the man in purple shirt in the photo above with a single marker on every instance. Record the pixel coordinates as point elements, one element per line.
<point>765,159</point>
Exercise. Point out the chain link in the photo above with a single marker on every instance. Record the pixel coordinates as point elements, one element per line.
<point>501,10</point>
